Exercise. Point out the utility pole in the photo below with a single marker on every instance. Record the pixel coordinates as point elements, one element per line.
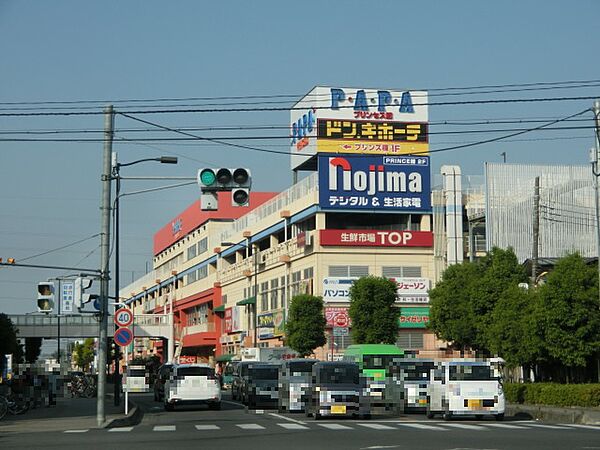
<point>104,260</point>
<point>536,230</point>
<point>596,111</point>
<point>503,154</point>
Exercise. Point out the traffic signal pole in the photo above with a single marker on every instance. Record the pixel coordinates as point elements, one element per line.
<point>104,261</point>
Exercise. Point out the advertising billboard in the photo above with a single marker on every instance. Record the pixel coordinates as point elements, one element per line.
<point>414,317</point>
<point>375,238</point>
<point>337,317</point>
<point>382,183</point>
<point>358,120</point>
<point>409,289</point>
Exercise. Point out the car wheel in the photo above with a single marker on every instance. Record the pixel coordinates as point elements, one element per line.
<point>479,416</point>
<point>169,407</point>
<point>216,406</point>
<point>430,414</point>
<point>499,417</point>
<point>366,416</point>
<point>317,416</point>
<point>447,416</point>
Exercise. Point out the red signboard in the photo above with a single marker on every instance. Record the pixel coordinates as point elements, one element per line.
<point>228,320</point>
<point>186,359</point>
<point>337,317</point>
<point>376,238</point>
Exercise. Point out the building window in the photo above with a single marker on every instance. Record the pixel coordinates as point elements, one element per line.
<point>264,296</point>
<point>191,277</point>
<point>191,252</point>
<point>274,292</point>
<point>202,245</point>
<point>348,271</point>
<point>197,315</point>
<point>401,271</point>
<point>410,340</point>
<point>308,273</point>
<point>202,272</point>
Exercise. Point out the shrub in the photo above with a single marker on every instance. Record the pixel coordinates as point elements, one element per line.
<point>553,394</point>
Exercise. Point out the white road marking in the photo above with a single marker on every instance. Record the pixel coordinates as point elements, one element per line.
<point>465,426</point>
<point>541,425</point>
<point>504,425</point>
<point>578,425</point>
<point>334,426</point>
<point>422,426</point>
<point>120,430</point>
<point>207,427</point>
<point>287,418</point>
<point>77,431</point>
<point>250,426</point>
<point>164,428</point>
<point>376,426</point>
<point>292,426</point>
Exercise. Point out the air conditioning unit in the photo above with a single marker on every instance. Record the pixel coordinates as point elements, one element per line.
<point>262,258</point>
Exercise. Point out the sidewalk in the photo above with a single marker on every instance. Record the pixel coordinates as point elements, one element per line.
<point>68,414</point>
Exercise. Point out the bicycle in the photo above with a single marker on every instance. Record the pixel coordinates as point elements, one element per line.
<point>8,404</point>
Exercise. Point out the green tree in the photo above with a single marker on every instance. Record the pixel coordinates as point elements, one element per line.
<point>8,341</point>
<point>83,354</point>
<point>305,327</point>
<point>33,348</point>
<point>570,316</point>
<point>373,311</point>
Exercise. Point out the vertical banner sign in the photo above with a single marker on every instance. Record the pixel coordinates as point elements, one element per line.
<point>67,296</point>
<point>228,320</point>
<point>382,183</point>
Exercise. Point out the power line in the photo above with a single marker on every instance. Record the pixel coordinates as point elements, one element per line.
<point>60,248</point>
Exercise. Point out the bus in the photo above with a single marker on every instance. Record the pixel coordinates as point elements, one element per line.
<point>374,361</point>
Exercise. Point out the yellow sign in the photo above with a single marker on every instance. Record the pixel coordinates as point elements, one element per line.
<point>372,147</point>
<point>338,409</point>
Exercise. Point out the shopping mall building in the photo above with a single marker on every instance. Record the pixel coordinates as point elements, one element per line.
<point>365,207</point>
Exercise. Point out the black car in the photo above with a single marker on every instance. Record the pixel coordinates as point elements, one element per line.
<point>260,387</point>
<point>240,371</point>
<point>162,375</point>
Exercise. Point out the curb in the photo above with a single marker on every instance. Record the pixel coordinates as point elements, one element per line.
<point>553,414</point>
<point>134,417</point>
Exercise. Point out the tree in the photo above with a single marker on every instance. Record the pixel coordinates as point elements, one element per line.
<point>83,354</point>
<point>8,341</point>
<point>373,311</point>
<point>570,316</point>
<point>33,348</point>
<point>305,327</point>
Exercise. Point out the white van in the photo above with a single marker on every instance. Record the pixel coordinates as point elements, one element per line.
<point>192,384</point>
<point>466,387</point>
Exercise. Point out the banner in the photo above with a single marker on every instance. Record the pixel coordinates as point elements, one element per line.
<point>228,320</point>
<point>375,238</point>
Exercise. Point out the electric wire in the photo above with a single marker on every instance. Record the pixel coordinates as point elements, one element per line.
<point>59,248</point>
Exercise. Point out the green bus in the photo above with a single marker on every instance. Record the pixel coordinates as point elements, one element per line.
<point>374,362</point>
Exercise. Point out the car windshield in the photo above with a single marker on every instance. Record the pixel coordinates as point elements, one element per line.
<point>195,371</point>
<point>299,368</point>
<point>264,373</point>
<point>377,361</point>
<point>339,375</point>
<point>414,370</point>
<point>471,373</point>
<point>136,372</point>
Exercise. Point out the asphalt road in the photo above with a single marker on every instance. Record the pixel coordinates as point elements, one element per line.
<point>236,428</point>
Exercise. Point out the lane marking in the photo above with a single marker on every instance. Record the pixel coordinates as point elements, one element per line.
<point>120,430</point>
<point>287,418</point>
<point>465,426</point>
<point>292,426</point>
<point>335,426</point>
<point>164,428</point>
<point>207,427</point>
<point>578,425</point>
<point>77,431</point>
<point>376,426</point>
<point>250,426</point>
<point>505,425</point>
<point>422,426</point>
<point>551,427</point>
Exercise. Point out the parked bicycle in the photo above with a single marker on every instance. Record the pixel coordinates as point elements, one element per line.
<point>13,405</point>
<point>82,386</point>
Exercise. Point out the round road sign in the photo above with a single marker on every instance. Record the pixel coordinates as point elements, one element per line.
<point>123,317</point>
<point>123,337</point>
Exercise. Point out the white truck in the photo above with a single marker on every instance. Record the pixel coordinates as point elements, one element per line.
<point>268,354</point>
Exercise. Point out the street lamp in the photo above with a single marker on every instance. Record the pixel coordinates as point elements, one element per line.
<point>255,275</point>
<point>116,175</point>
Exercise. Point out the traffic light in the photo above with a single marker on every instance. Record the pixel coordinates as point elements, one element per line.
<point>212,180</point>
<point>45,299</point>
<point>81,298</point>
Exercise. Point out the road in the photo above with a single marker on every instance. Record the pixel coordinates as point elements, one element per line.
<point>236,428</point>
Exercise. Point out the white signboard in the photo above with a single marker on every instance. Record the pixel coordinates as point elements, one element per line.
<point>67,294</point>
<point>337,289</point>
<point>410,290</point>
<point>236,318</point>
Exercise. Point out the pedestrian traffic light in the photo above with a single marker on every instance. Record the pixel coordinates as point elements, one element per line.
<point>80,297</point>
<point>45,299</point>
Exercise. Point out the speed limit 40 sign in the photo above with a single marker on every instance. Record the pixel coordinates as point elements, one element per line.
<point>123,317</point>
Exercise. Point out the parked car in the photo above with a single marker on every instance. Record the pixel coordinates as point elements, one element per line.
<point>227,377</point>
<point>162,375</point>
<point>260,386</point>
<point>192,384</point>
<point>337,389</point>
<point>295,377</point>
<point>240,372</point>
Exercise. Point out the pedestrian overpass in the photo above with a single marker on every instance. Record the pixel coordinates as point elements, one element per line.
<point>82,326</point>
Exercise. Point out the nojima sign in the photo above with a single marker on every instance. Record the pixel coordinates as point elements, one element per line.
<point>394,183</point>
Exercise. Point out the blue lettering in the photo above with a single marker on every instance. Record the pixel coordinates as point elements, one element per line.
<point>294,133</point>
<point>384,98</point>
<point>337,96</point>
<point>360,103</point>
<point>406,104</point>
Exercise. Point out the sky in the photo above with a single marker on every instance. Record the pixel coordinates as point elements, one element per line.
<point>162,55</point>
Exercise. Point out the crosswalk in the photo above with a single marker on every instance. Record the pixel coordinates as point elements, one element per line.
<point>385,426</point>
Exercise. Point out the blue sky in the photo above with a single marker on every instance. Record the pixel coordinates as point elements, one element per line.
<point>111,51</point>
